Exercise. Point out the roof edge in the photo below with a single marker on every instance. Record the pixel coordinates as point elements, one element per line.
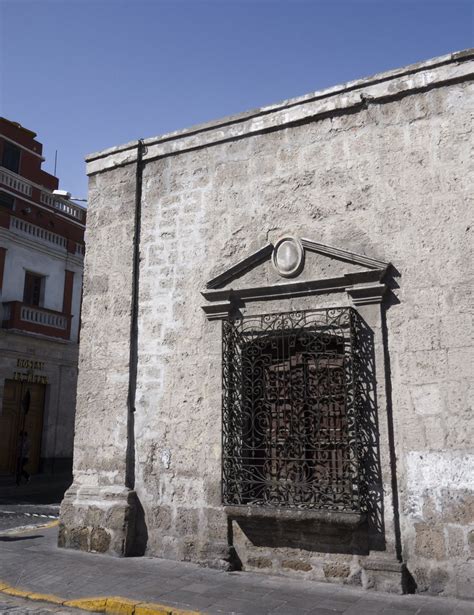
<point>126,153</point>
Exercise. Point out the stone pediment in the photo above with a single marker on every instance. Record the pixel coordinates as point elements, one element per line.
<point>291,267</point>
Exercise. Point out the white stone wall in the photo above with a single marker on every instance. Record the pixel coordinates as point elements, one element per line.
<point>383,171</point>
<point>386,182</point>
<point>26,255</point>
<point>60,357</point>
<point>21,258</point>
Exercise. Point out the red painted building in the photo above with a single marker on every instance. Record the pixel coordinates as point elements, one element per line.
<point>41,262</point>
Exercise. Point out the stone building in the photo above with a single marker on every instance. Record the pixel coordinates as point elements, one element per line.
<point>274,367</point>
<point>41,263</point>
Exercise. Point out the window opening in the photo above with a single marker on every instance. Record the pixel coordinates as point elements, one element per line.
<point>33,289</point>
<point>289,416</point>
<point>7,200</point>
<point>11,157</point>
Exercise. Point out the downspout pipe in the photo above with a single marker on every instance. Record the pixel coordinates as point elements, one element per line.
<point>133,363</point>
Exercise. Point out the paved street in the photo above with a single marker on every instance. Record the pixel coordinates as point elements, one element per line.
<point>30,503</point>
<point>11,605</point>
<point>31,561</point>
<point>18,515</point>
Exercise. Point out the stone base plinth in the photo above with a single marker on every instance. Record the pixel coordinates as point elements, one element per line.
<point>102,519</point>
<point>386,576</point>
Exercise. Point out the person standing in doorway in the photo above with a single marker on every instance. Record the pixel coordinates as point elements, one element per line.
<point>23,453</point>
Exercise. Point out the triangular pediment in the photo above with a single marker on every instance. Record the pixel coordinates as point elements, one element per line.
<point>316,261</point>
<point>293,267</point>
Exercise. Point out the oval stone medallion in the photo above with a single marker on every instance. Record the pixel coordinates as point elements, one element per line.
<point>288,256</point>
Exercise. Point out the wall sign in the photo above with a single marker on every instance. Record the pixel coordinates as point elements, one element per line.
<point>30,376</point>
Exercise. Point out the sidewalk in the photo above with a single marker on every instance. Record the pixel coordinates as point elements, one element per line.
<point>30,561</point>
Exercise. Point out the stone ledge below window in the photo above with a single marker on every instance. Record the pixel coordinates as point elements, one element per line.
<point>323,517</point>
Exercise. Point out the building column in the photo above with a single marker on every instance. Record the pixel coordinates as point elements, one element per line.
<point>384,568</point>
<point>100,511</point>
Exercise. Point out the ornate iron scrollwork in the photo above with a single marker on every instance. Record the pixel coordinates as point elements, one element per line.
<point>289,411</point>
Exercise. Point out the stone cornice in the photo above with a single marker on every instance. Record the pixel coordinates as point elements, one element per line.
<point>350,96</point>
<point>363,288</point>
<point>241,267</point>
<point>344,255</point>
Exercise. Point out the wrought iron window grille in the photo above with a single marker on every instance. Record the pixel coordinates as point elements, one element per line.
<point>290,411</point>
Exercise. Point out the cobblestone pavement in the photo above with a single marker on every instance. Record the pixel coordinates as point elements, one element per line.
<point>10,605</point>
<point>32,561</point>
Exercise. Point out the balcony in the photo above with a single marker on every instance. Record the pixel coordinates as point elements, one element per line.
<point>24,187</point>
<point>15,182</point>
<point>32,319</point>
<point>64,206</point>
<point>32,231</point>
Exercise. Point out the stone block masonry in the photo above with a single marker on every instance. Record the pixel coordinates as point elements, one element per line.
<point>378,168</point>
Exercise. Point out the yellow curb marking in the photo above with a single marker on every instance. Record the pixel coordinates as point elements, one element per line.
<point>111,605</point>
<point>96,605</point>
<point>46,598</point>
<point>12,591</point>
<point>120,606</point>
<point>50,524</point>
<point>26,529</point>
<point>151,609</point>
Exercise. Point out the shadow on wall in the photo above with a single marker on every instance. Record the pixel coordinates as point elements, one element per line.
<point>370,477</point>
<point>138,545</point>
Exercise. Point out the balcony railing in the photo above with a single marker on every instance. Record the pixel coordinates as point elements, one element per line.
<point>37,232</point>
<point>64,206</point>
<point>15,182</point>
<point>18,315</point>
<point>23,186</point>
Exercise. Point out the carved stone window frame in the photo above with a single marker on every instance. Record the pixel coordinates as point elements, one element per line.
<point>364,291</point>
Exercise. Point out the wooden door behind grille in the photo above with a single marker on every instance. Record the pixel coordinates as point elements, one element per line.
<point>295,445</point>
<point>12,421</point>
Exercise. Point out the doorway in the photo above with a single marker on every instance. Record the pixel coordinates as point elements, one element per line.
<point>22,410</point>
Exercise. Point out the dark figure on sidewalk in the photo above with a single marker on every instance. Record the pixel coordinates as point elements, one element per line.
<point>23,452</point>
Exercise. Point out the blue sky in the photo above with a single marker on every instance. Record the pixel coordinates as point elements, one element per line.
<point>90,74</point>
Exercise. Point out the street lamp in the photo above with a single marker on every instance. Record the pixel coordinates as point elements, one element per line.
<point>64,194</point>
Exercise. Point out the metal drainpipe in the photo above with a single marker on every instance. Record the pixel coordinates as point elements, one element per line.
<point>132,382</point>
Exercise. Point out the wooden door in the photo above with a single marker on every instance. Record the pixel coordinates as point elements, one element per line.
<point>13,420</point>
<point>10,426</point>
<point>34,424</point>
